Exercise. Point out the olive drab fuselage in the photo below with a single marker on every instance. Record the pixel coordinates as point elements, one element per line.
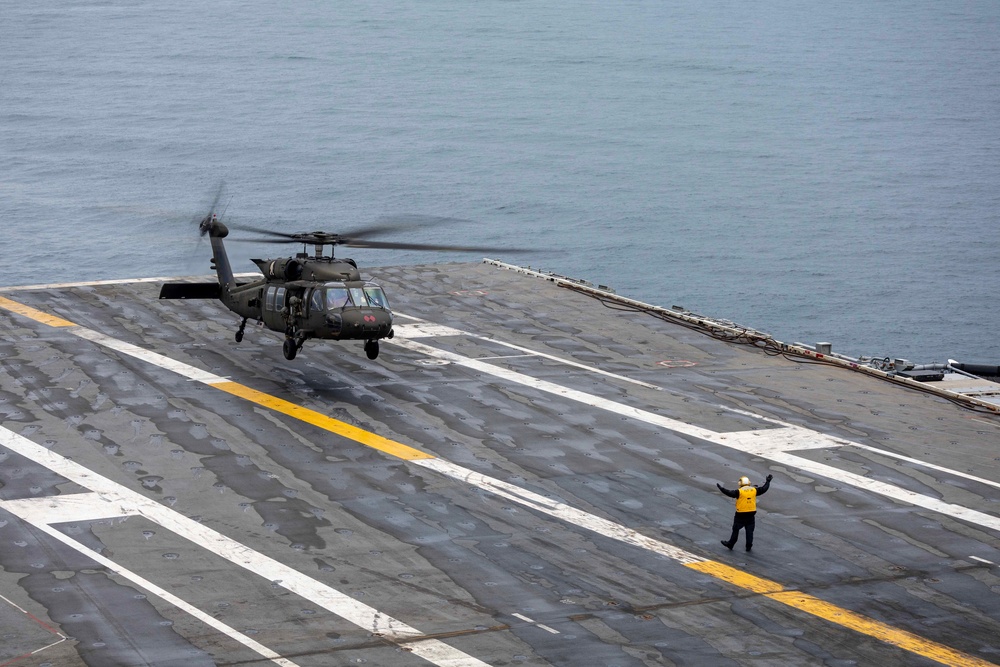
<point>303,297</point>
<point>334,303</point>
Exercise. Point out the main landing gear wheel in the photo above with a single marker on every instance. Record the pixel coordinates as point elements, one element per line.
<point>371,349</point>
<point>290,348</point>
<point>239,334</point>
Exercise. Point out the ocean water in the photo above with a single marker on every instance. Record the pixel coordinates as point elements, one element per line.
<point>819,171</point>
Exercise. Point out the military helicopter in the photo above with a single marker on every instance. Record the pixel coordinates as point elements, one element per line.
<point>305,296</point>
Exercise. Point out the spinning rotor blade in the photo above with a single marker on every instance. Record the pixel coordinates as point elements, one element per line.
<point>384,224</point>
<point>384,245</point>
<point>205,222</point>
<point>359,238</point>
<point>393,223</point>
<point>284,236</point>
<point>392,245</point>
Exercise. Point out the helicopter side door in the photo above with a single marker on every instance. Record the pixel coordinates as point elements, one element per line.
<point>274,301</point>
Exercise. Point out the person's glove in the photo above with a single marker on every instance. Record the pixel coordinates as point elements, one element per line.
<point>719,485</point>
<point>769,477</point>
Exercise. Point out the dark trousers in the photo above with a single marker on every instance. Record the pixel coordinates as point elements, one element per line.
<point>743,520</point>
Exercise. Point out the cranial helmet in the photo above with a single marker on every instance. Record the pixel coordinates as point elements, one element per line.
<point>744,481</point>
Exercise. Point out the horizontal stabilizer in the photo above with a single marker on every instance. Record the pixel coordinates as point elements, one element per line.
<point>190,291</point>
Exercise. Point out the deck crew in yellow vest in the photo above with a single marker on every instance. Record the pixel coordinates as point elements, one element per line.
<point>746,509</point>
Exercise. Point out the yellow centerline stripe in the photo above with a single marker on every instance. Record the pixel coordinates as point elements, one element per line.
<point>36,315</point>
<point>362,436</point>
<point>738,578</point>
<point>839,616</point>
<point>881,631</point>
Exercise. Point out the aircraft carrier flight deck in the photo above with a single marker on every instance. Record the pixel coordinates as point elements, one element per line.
<point>526,475</point>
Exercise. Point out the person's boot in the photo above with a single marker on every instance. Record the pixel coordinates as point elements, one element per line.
<point>749,547</point>
<point>727,545</point>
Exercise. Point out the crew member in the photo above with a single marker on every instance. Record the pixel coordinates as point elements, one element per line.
<point>746,509</point>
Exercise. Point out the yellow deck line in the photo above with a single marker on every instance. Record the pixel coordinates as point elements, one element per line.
<point>878,630</point>
<point>738,578</point>
<point>839,616</point>
<point>391,447</point>
<point>36,315</point>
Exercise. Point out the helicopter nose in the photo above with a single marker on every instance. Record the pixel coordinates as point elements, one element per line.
<point>367,323</point>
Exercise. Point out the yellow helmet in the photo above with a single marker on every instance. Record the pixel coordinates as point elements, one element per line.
<point>744,481</point>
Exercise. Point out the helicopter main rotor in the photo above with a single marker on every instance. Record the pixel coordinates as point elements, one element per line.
<point>358,239</point>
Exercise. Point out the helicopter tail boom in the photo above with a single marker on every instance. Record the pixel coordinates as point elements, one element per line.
<point>217,231</point>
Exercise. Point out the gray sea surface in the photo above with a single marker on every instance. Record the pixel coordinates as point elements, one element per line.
<point>819,171</point>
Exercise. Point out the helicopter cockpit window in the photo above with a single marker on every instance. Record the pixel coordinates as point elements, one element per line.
<point>336,298</point>
<point>358,296</point>
<point>376,297</point>
<point>269,305</point>
<point>317,301</point>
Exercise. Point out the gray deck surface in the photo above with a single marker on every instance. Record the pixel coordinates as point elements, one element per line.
<point>518,540</point>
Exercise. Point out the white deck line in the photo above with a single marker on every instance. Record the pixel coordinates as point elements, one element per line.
<point>32,511</point>
<point>932,466</point>
<point>770,443</point>
<point>117,281</point>
<point>774,444</point>
<point>424,329</point>
<point>110,499</point>
<point>558,510</point>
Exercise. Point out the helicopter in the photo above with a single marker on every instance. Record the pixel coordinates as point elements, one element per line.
<point>307,295</point>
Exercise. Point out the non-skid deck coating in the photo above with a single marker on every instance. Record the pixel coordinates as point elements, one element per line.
<point>523,477</point>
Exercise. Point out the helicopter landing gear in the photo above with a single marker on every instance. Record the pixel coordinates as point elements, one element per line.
<point>294,340</point>
<point>290,348</point>
<point>239,334</point>
<point>371,349</point>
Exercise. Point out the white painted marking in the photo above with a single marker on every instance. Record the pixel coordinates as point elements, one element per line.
<point>773,444</point>
<point>764,435</point>
<point>766,441</point>
<point>18,607</point>
<point>423,329</point>
<point>556,509</point>
<point>782,438</point>
<point>932,466</point>
<point>506,356</point>
<point>570,362</point>
<point>61,636</point>
<point>67,508</point>
<point>48,646</point>
<point>532,621</point>
<point>888,490</point>
<point>153,358</point>
<point>123,281</point>
<point>982,560</point>
<point>113,499</point>
<point>165,595</point>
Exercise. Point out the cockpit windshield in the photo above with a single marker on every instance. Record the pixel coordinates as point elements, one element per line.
<point>376,297</point>
<point>358,296</point>
<point>335,296</point>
